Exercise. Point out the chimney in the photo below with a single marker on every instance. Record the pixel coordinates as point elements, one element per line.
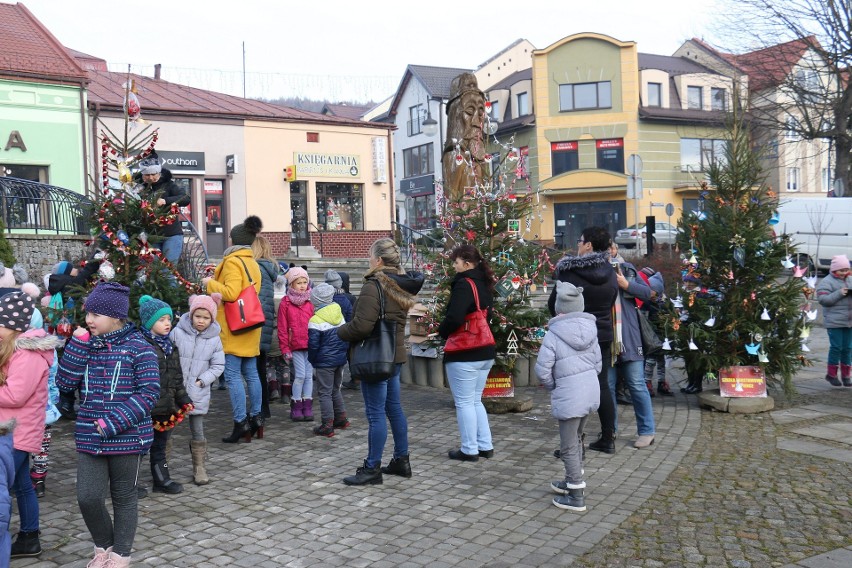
<point>157,72</point>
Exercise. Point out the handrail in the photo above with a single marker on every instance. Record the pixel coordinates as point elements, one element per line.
<point>409,238</point>
<point>193,258</point>
<point>320,232</point>
<point>39,207</point>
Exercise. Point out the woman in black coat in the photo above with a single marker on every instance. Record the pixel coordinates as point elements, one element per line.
<point>467,370</point>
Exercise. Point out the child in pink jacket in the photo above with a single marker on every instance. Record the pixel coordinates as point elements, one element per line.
<point>25,360</point>
<point>294,313</point>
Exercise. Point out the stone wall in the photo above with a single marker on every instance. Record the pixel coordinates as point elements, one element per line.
<point>38,253</point>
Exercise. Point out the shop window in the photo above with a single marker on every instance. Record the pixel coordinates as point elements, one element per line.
<point>655,94</point>
<point>420,211</point>
<point>610,154</point>
<point>418,161</point>
<point>694,98</point>
<point>583,96</point>
<point>340,206</point>
<point>564,157</point>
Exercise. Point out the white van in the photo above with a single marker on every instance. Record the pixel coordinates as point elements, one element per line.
<point>820,228</point>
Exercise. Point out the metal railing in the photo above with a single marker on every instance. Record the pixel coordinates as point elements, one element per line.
<point>193,259</point>
<point>410,239</point>
<point>41,208</point>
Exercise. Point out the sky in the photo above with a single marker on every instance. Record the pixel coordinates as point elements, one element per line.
<point>342,50</point>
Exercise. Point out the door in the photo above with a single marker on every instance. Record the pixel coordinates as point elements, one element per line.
<point>215,216</point>
<point>299,214</point>
<point>572,218</point>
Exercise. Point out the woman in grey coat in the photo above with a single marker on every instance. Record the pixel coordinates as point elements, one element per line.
<point>268,274</point>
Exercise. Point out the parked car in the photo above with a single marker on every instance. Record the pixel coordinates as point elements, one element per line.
<point>664,234</point>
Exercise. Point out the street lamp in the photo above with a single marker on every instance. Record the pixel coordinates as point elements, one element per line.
<point>430,125</point>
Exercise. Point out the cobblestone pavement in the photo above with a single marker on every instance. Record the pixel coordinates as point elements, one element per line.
<point>713,490</point>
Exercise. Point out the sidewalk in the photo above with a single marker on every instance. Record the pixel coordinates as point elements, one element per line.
<point>713,490</point>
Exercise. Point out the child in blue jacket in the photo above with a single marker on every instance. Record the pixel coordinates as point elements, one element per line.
<point>327,354</point>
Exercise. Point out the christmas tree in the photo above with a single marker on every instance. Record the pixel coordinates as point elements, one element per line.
<point>495,215</point>
<point>744,309</point>
<point>125,220</point>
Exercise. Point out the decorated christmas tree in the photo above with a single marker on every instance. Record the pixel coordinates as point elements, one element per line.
<point>740,306</point>
<point>126,219</point>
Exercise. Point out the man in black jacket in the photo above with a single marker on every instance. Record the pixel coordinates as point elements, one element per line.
<point>154,182</point>
<point>592,271</point>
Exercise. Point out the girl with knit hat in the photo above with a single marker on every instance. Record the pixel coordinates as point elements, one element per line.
<point>26,356</point>
<point>117,371</point>
<point>237,271</point>
<point>156,318</point>
<point>294,313</point>
<point>833,294</point>
<point>202,359</point>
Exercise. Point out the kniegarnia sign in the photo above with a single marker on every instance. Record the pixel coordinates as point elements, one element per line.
<point>314,164</point>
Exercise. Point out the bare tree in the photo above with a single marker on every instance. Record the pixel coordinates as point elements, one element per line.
<point>801,51</point>
<point>820,222</point>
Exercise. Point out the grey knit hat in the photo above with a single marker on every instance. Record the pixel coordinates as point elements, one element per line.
<point>150,165</point>
<point>334,279</point>
<point>569,298</point>
<point>245,233</point>
<point>322,295</point>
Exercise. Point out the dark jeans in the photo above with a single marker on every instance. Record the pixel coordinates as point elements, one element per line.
<point>382,402</point>
<point>116,475</point>
<point>606,411</point>
<point>264,386</point>
<point>158,448</point>
<point>24,492</point>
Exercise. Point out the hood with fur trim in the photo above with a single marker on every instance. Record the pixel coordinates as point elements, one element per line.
<point>401,287</point>
<point>594,268</point>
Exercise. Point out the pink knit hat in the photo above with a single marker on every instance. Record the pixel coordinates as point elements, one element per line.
<point>295,273</point>
<point>209,303</point>
<point>839,262</point>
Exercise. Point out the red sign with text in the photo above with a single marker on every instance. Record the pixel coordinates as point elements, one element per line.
<point>498,385</point>
<point>563,146</point>
<point>742,382</point>
<point>610,143</point>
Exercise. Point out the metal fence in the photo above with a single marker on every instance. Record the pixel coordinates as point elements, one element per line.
<point>42,208</point>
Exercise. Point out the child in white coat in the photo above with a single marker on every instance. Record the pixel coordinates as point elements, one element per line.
<point>568,365</point>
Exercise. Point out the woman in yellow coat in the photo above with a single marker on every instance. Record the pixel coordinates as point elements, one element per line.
<point>230,279</point>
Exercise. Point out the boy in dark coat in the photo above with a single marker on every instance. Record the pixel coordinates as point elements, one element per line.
<point>327,353</point>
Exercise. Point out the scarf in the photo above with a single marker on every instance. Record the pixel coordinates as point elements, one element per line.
<point>298,298</point>
<point>101,341</point>
<point>617,342</point>
<point>162,341</point>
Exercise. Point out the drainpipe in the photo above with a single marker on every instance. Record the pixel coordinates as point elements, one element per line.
<point>95,172</point>
<point>83,123</point>
<point>392,191</point>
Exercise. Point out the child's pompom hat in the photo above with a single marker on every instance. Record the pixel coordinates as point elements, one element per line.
<point>16,310</point>
<point>295,273</point>
<point>202,302</point>
<point>151,309</point>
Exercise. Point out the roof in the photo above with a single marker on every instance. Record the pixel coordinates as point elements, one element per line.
<point>671,65</point>
<point>88,62</point>
<point>683,116</point>
<point>436,81</point>
<point>769,67</point>
<point>28,49</point>
<point>517,76</point>
<point>107,89</point>
<point>501,52</point>
<point>355,112</point>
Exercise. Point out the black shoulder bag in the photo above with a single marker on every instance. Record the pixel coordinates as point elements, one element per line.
<point>373,359</point>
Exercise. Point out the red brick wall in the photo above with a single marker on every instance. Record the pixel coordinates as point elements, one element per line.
<point>335,244</point>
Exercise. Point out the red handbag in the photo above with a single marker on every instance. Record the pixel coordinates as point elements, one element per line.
<point>245,313</point>
<point>475,332</point>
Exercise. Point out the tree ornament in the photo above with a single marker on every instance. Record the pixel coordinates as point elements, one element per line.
<point>122,236</point>
<point>512,344</point>
<point>106,270</point>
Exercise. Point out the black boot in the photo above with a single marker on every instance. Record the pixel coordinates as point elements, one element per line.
<point>365,476</point>
<point>256,426</point>
<point>241,430</point>
<point>27,544</point>
<point>605,444</point>
<point>163,483</point>
<point>398,466</point>
<point>572,499</point>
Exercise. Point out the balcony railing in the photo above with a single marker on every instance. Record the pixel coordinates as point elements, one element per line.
<point>41,208</point>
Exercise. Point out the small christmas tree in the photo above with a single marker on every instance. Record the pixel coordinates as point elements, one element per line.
<point>124,221</point>
<point>746,311</point>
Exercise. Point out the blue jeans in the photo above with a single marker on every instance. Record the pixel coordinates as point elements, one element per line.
<point>634,378</point>
<point>467,381</point>
<point>23,486</point>
<point>840,346</point>
<point>235,369</point>
<point>172,247</point>
<point>380,400</point>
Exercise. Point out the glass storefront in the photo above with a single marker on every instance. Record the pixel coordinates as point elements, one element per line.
<point>340,206</point>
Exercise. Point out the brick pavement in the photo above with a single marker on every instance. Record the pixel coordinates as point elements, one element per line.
<point>713,490</point>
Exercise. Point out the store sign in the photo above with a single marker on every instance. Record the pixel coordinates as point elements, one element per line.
<point>380,159</point>
<point>213,187</point>
<point>315,164</point>
<point>743,381</point>
<point>561,147</point>
<point>182,162</point>
<point>415,186</point>
<point>15,140</point>
<point>610,143</point>
<point>232,165</point>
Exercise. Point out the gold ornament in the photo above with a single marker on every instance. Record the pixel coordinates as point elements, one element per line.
<point>124,174</point>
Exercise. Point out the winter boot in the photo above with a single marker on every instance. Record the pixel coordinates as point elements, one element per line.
<point>365,476</point>
<point>163,483</point>
<point>398,466</point>
<point>198,448</point>
<point>100,559</point>
<point>274,390</point>
<point>663,389</point>
<point>340,421</point>
<point>650,386</point>
<point>326,428</point>
<point>605,443</point>
<point>38,484</point>
<point>296,412</point>
<point>308,409</point>
<point>117,561</point>
<point>27,544</point>
<point>831,376</point>
<point>256,426</point>
<point>573,500</point>
<point>241,431</point>
<point>846,372</point>
<point>286,392</point>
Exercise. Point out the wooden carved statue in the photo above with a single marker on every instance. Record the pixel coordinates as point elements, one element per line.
<point>465,137</point>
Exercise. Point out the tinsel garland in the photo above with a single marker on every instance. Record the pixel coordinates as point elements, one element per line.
<point>174,419</point>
